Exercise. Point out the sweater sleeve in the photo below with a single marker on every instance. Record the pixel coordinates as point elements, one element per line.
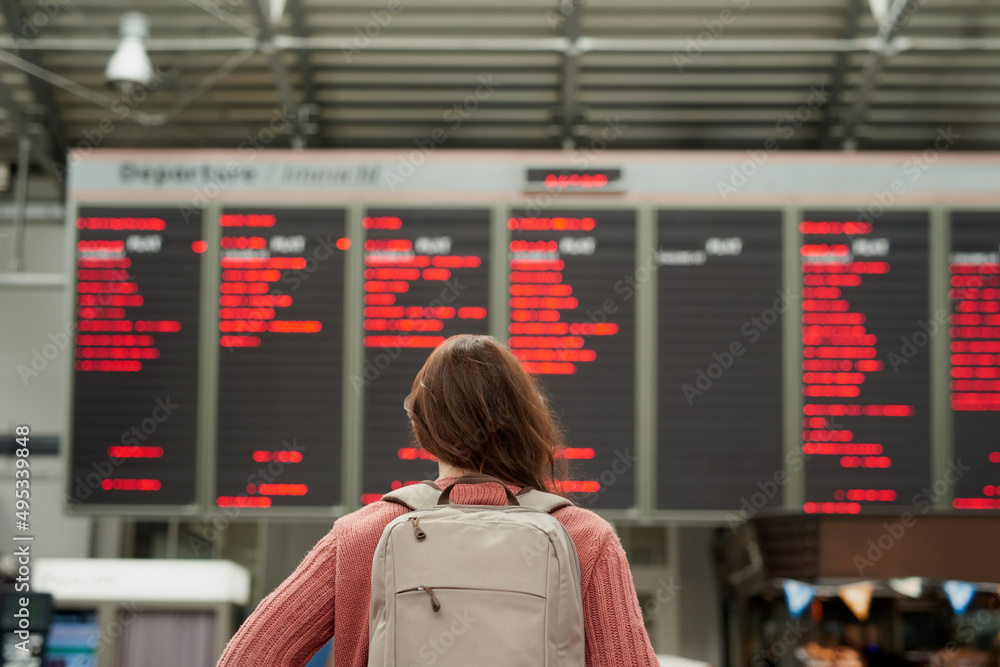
<point>295,620</point>
<point>615,634</point>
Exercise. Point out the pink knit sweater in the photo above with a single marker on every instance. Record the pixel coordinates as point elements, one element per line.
<point>328,594</point>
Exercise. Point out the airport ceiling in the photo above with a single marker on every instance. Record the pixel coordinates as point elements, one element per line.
<point>649,74</point>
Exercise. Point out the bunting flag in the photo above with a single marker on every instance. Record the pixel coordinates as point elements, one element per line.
<point>858,598</point>
<point>798,596</point>
<point>960,594</point>
<point>910,586</point>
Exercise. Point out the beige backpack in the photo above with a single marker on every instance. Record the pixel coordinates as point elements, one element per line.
<point>475,585</point>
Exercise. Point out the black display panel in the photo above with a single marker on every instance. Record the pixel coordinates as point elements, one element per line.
<point>572,310</point>
<point>426,278</point>
<point>719,355</point>
<point>281,310</point>
<point>135,377</point>
<point>865,336</point>
<point>582,180</point>
<point>974,327</point>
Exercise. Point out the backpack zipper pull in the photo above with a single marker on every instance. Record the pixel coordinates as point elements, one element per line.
<point>435,605</point>
<point>418,532</point>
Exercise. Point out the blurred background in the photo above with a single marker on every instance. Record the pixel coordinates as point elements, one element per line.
<point>749,248</point>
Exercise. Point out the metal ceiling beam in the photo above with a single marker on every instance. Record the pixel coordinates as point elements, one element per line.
<point>308,81</point>
<point>106,44</point>
<point>518,45</point>
<point>899,14</point>
<point>206,84</point>
<point>839,72</point>
<point>40,73</point>
<point>567,114</point>
<point>159,121</point>
<point>40,143</point>
<point>56,145</point>
<point>230,19</point>
<point>281,79</point>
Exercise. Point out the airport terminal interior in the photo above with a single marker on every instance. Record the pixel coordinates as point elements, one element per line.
<point>748,252</point>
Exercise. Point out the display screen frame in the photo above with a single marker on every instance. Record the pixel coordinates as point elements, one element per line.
<point>341,213</point>
<point>907,226</point>
<point>728,218</point>
<point>357,319</point>
<point>621,463</point>
<point>356,205</point>
<point>948,219</point>
<point>194,216</point>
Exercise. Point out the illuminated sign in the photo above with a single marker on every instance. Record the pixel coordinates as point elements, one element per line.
<point>865,365</point>
<point>575,180</point>
<point>281,357</point>
<point>974,330</point>
<point>135,367</point>
<point>571,278</point>
<point>426,278</point>
<point>572,324</point>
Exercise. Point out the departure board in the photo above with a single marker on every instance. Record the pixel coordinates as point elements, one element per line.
<point>974,328</point>
<point>866,330</point>
<point>572,324</point>
<point>719,358</point>
<point>135,367</point>
<point>426,278</point>
<point>281,310</point>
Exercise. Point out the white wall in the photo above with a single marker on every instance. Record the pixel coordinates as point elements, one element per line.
<point>34,320</point>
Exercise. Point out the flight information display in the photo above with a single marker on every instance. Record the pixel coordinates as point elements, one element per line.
<point>719,332</point>
<point>974,327</point>
<point>572,324</point>
<point>866,330</point>
<point>281,310</point>
<point>571,277</point>
<point>426,278</point>
<point>135,367</point>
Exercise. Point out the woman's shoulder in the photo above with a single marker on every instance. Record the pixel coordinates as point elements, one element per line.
<point>368,522</point>
<point>589,531</point>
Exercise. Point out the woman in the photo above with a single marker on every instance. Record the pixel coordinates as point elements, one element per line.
<point>476,410</point>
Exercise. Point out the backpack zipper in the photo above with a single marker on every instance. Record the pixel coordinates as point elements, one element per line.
<point>435,605</point>
<point>418,532</point>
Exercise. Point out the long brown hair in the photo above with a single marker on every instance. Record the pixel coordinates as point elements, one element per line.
<point>473,406</point>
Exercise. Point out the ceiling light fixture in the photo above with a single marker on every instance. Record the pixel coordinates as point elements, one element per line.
<point>129,65</point>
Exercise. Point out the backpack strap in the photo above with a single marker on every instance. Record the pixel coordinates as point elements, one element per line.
<point>427,494</point>
<point>540,500</point>
<point>415,496</point>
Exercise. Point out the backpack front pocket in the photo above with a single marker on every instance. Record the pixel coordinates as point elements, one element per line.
<point>500,628</point>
